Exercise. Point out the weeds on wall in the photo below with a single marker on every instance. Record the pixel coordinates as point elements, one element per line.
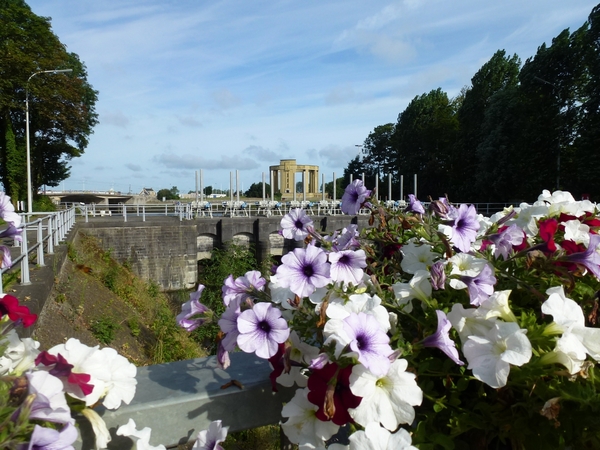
<point>149,316</point>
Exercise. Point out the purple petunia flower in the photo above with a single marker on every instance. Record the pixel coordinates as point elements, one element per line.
<point>464,229</point>
<point>188,317</point>
<point>242,287</point>
<point>48,439</point>
<point>49,403</point>
<point>296,224</point>
<point>211,438</point>
<point>12,232</point>
<point>368,340</point>
<point>304,270</point>
<point>481,286</point>
<point>441,338</point>
<point>354,196</point>
<point>347,266</point>
<point>347,239</point>
<point>590,258</point>
<point>504,241</point>
<point>414,205</point>
<point>438,275</point>
<point>261,330</point>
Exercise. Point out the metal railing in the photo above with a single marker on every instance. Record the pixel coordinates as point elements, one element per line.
<point>267,208</point>
<point>39,237</point>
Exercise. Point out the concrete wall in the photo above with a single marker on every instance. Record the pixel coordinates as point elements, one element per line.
<point>167,250</point>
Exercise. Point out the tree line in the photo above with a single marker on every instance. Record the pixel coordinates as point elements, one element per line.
<point>518,129</point>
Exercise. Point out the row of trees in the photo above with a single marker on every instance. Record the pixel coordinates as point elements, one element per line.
<point>518,129</point>
<point>61,107</point>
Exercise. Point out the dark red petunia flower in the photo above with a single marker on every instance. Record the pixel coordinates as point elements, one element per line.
<point>548,228</point>
<point>278,365</point>
<point>329,389</point>
<point>62,369</point>
<point>9,305</point>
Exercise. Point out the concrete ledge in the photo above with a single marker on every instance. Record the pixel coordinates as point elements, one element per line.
<point>178,400</point>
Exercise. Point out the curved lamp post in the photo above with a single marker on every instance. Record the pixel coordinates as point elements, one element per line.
<point>29,193</point>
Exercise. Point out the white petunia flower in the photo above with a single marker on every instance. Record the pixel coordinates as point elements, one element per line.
<point>85,360</point>
<point>417,256</point>
<point>577,232</point>
<point>112,376</point>
<point>464,264</point>
<point>568,317</point>
<point>388,400</point>
<point>281,295</point>
<point>375,437</point>
<point>490,356</point>
<point>19,355</point>
<point>339,308</point>
<point>302,426</point>
<point>497,306</point>
<point>418,287</point>
<point>99,427</point>
<point>141,437</point>
<point>468,322</point>
<point>120,385</point>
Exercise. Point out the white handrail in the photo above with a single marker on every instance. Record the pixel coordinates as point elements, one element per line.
<point>57,225</point>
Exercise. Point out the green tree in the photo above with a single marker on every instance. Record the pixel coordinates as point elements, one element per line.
<point>356,167</point>
<point>256,190</point>
<point>168,194</point>
<point>379,155</point>
<point>61,106</point>
<point>208,190</point>
<point>339,188</point>
<point>500,72</point>
<point>423,138</point>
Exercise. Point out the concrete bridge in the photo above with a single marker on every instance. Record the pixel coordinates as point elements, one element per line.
<point>100,197</point>
<point>167,250</point>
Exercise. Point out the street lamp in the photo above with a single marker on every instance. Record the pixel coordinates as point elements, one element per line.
<point>29,193</point>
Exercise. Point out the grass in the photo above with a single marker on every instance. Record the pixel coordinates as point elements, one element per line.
<point>139,307</point>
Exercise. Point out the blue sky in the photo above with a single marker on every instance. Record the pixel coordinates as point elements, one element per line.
<point>234,85</point>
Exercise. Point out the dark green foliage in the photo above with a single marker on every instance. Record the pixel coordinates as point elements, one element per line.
<point>233,260</point>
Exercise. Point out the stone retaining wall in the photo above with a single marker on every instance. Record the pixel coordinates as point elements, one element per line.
<point>166,250</point>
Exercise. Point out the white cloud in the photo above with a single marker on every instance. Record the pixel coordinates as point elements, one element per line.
<point>133,167</point>
<point>189,121</point>
<point>339,95</point>
<point>191,162</point>
<point>116,118</point>
<point>337,156</point>
<point>262,154</point>
<point>225,99</point>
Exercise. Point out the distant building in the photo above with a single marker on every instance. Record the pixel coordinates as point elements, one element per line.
<point>147,192</point>
<point>283,177</point>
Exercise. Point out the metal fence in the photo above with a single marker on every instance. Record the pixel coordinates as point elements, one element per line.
<point>39,237</point>
<point>205,209</point>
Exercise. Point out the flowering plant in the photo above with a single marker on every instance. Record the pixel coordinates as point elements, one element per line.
<point>432,328</point>
<point>41,392</point>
